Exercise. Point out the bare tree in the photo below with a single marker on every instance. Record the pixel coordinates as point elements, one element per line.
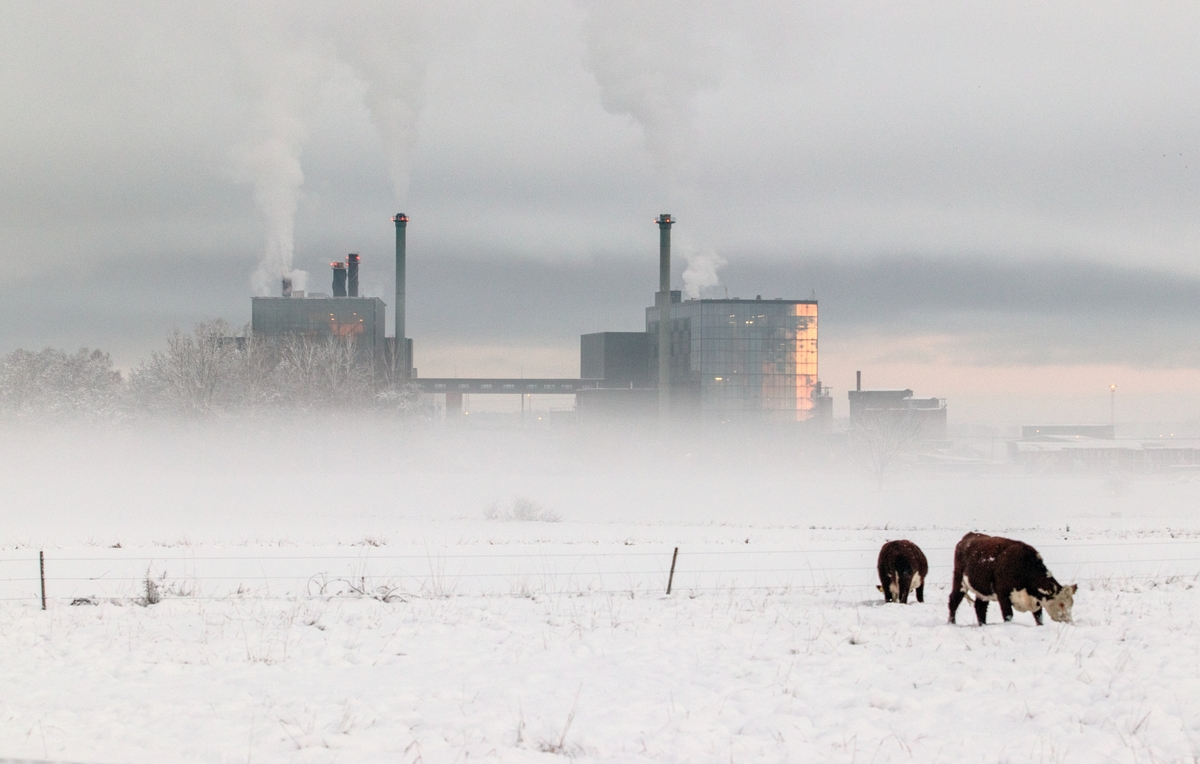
<point>881,435</point>
<point>323,371</point>
<point>255,378</point>
<point>190,372</point>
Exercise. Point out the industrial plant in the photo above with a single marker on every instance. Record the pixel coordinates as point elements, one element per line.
<point>698,360</point>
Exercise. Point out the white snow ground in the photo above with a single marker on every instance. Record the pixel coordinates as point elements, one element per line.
<point>366,612</point>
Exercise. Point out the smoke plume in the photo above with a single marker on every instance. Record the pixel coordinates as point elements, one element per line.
<point>282,72</point>
<point>651,64</point>
<point>289,51</point>
<point>383,44</point>
<point>701,271</point>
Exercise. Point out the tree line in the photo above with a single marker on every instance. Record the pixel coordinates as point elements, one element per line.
<point>209,370</point>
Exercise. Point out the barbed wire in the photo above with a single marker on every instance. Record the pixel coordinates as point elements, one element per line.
<point>117,556</point>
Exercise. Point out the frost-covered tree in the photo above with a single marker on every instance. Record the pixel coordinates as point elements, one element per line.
<point>188,375</point>
<point>255,380</point>
<point>53,383</point>
<point>322,371</point>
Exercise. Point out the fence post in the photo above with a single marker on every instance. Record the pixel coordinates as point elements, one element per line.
<point>42,570</point>
<point>670,578</point>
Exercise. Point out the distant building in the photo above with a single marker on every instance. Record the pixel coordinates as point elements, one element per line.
<point>357,318</point>
<point>734,359</point>
<point>1080,453</point>
<point>619,359</point>
<point>928,415</point>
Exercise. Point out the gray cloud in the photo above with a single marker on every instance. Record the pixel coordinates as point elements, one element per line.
<point>982,313</point>
<point>1037,162</point>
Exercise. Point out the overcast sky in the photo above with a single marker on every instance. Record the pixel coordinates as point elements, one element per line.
<point>994,202</point>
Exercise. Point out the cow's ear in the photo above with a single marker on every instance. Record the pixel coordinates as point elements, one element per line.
<point>1074,588</point>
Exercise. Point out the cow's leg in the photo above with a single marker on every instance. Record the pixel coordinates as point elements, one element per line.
<point>1037,616</point>
<point>905,583</point>
<point>1006,608</point>
<point>981,610</point>
<point>956,598</point>
<point>921,592</point>
<point>887,587</point>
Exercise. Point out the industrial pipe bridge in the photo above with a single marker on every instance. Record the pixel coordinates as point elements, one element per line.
<point>502,386</point>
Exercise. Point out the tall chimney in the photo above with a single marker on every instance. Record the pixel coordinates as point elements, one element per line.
<point>339,279</point>
<point>403,362</point>
<point>663,300</point>
<point>286,287</point>
<point>352,261</point>
<point>858,381</point>
<point>664,254</point>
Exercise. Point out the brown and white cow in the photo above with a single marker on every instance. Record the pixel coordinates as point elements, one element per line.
<point>994,569</point>
<point>902,566</point>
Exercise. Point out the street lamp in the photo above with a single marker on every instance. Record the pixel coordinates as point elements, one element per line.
<point>1112,407</point>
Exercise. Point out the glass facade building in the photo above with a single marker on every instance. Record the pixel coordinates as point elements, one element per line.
<point>740,359</point>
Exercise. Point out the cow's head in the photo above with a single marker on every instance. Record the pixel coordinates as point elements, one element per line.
<point>1059,604</point>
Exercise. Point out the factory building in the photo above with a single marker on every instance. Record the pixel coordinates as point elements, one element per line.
<point>712,360</point>
<point>926,417</point>
<point>709,360</point>
<point>345,315</point>
<point>739,359</point>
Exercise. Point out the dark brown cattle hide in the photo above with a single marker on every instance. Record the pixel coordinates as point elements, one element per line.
<point>902,566</point>
<point>994,569</point>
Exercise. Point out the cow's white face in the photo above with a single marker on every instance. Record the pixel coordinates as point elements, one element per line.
<point>1059,606</point>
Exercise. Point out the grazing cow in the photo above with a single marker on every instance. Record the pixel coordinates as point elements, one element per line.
<point>902,565</point>
<point>990,568</point>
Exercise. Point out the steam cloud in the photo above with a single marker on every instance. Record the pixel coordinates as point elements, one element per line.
<point>651,65</point>
<point>387,53</point>
<point>701,271</point>
<point>272,163</point>
<point>289,52</point>
<point>282,75</point>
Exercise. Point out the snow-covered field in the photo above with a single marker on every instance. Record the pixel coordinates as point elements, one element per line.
<point>343,598</point>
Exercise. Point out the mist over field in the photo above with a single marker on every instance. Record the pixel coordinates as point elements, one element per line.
<point>225,539</point>
<point>339,478</point>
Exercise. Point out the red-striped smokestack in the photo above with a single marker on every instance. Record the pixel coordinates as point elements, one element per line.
<point>352,261</point>
<point>339,279</point>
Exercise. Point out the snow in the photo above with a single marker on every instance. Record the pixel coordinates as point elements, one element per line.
<point>368,612</point>
<point>708,676</point>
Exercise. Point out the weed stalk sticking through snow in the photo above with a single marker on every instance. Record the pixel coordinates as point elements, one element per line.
<point>561,746</point>
<point>151,595</point>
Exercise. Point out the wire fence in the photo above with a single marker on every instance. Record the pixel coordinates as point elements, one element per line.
<point>132,574</point>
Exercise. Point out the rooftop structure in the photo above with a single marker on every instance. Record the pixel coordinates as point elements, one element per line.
<point>926,416</point>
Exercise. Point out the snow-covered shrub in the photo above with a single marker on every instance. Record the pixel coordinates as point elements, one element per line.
<point>521,509</point>
<point>403,399</point>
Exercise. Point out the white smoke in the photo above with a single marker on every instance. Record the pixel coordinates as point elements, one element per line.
<point>282,73</point>
<point>651,64</point>
<point>701,271</point>
<point>274,166</point>
<point>289,51</point>
<point>382,42</point>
